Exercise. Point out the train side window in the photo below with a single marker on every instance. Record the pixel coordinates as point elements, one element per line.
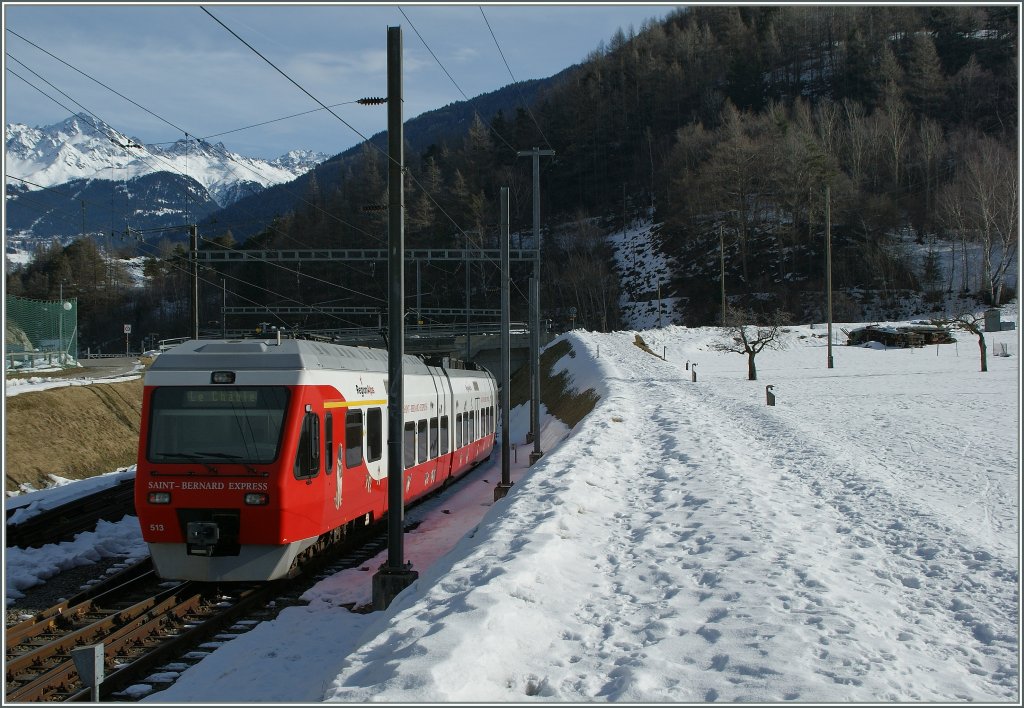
<point>433,438</point>
<point>458,430</point>
<point>421,440</point>
<point>472,426</point>
<point>353,438</point>
<point>374,434</point>
<point>465,428</point>
<point>409,446</point>
<point>328,442</point>
<point>307,457</point>
<point>443,433</point>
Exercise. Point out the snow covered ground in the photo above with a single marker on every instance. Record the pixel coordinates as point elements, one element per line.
<point>858,542</point>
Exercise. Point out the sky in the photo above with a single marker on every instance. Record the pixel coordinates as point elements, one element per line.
<point>856,543</point>
<point>190,75</point>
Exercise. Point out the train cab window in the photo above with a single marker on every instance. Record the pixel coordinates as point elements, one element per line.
<point>374,434</point>
<point>353,438</point>
<point>409,444</point>
<point>328,442</point>
<point>307,457</point>
<point>443,434</point>
<point>458,430</point>
<point>433,438</point>
<point>421,440</point>
<point>216,423</point>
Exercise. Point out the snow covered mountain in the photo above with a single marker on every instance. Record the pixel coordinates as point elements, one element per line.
<point>82,147</point>
<point>91,172</point>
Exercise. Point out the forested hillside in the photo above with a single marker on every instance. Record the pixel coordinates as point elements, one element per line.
<point>717,123</point>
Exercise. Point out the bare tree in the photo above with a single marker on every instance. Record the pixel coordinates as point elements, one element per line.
<point>742,337</point>
<point>973,323</point>
<point>982,204</point>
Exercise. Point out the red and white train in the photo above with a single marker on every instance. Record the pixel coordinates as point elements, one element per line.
<point>252,451</point>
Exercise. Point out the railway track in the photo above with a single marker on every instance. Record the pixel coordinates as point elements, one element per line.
<point>61,523</point>
<point>144,622</point>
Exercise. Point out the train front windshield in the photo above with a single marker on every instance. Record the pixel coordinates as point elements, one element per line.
<point>216,423</point>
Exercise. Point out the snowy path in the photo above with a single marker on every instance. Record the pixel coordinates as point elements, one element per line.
<point>724,551</point>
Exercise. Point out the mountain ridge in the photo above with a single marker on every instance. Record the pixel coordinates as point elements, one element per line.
<point>81,176</point>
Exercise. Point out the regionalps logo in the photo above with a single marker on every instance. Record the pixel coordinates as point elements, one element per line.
<point>364,390</point>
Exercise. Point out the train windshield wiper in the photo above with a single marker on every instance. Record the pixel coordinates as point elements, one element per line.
<point>228,456</point>
<point>189,456</point>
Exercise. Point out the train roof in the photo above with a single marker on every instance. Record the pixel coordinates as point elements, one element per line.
<point>270,354</point>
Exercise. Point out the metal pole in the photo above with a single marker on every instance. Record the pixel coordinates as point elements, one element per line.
<point>419,294</point>
<point>659,301</point>
<point>721,250</point>
<point>193,239</point>
<point>223,309</point>
<point>396,301</point>
<point>828,270</point>
<point>535,364</point>
<point>60,323</point>
<point>535,154</point>
<point>395,575</point>
<point>467,297</point>
<point>506,480</point>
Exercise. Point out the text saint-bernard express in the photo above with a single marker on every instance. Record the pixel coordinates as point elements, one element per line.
<point>210,485</point>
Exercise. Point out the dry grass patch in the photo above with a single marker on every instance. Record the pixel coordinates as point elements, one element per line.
<point>566,404</point>
<point>639,341</point>
<point>73,432</point>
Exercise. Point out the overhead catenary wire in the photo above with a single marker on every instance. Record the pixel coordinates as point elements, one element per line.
<point>290,270</point>
<point>278,70</point>
<point>225,154</point>
<point>186,133</point>
<point>112,90</point>
<point>454,82</point>
<point>99,131</point>
<point>321,103</point>
<point>280,296</point>
<point>276,120</point>
<point>515,82</point>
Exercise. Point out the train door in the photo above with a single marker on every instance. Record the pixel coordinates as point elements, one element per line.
<point>376,439</point>
<point>477,425</point>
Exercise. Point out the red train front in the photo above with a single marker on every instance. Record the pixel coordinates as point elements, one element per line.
<point>251,451</point>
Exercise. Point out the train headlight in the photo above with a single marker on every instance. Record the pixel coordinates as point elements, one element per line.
<point>159,497</point>
<point>255,499</point>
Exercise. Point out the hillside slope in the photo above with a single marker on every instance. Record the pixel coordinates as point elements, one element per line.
<point>72,432</point>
